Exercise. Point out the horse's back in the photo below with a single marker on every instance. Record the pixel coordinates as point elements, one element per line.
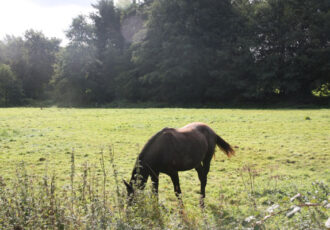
<point>178,149</point>
<point>199,127</point>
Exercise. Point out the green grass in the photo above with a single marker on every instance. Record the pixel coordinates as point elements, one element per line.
<point>278,154</point>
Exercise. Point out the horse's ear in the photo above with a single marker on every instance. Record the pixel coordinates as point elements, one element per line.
<point>129,188</point>
<point>127,184</point>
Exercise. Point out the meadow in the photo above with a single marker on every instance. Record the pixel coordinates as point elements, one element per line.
<point>62,168</point>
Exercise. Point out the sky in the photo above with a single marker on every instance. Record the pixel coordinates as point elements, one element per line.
<point>52,17</point>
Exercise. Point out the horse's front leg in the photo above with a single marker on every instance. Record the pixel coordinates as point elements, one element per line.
<point>176,183</point>
<point>155,181</point>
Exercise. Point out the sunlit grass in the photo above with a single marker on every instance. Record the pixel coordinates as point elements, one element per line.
<point>286,149</point>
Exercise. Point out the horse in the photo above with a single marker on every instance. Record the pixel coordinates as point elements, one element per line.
<point>172,150</point>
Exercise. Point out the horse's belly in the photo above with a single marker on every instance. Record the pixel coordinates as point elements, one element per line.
<point>186,162</point>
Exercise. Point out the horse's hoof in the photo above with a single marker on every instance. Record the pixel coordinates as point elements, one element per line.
<point>201,202</point>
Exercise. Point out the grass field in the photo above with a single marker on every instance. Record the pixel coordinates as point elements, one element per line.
<point>279,153</point>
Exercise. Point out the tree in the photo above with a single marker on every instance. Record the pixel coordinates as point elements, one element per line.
<point>80,33</point>
<point>86,70</point>
<point>72,80</point>
<point>14,55</point>
<point>187,51</point>
<point>106,22</point>
<point>10,91</point>
<point>40,54</point>
<point>178,52</point>
<point>123,4</point>
<point>31,60</point>
<point>313,59</point>
<point>290,47</point>
<point>2,50</point>
<point>109,44</point>
<point>74,73</point>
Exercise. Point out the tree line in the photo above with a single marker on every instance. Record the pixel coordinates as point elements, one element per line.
<point>175,52</point>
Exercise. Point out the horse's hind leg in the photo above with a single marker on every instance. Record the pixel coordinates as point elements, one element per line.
<point>201,177</point>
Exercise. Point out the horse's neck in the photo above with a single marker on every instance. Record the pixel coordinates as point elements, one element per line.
<point>139,176</point>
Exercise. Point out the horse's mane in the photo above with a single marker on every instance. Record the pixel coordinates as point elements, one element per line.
<point>149,143</point>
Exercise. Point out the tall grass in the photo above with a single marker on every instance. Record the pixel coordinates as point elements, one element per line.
<point>93,198</point>
<point>88,201</point>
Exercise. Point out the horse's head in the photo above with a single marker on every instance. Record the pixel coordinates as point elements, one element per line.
<point>130,190</point>
<point>139,178</point>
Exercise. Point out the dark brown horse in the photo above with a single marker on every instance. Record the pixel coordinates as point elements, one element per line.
<point>172,150</point>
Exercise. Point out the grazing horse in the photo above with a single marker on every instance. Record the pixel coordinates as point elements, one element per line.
<point>172,150</point>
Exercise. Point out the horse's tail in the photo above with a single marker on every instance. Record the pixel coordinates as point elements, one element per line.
<point>224,146</point>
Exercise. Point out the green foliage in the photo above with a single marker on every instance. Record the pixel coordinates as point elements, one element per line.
<point>10,91</point>
<point>288,43</point>
<point>322,91</point>
<point>123,4</point>
<point>41,53</point>
<point>80,32</point>
<point>72,80</point>
<point>86,69</point>
<point>184,46</point>
<point>221,51</point>
<point>31,59</point>
<point>180,53</point>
